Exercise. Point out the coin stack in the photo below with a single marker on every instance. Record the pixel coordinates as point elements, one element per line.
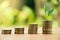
<point>19,30</point>
<point>32,29</point>
<point>47,27</point>
<point>6,31</point>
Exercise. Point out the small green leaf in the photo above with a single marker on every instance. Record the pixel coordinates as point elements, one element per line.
<point>50,11</point>
<point>46,10</point>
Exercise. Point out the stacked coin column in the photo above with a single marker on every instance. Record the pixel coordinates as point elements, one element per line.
<point>33,29</point>
<point>47,27</point>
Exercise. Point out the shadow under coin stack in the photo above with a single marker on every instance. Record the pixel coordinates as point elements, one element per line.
<point>47,27</point>
<point>33,29</point>
<point>6,31</point>
<point>19,30</point>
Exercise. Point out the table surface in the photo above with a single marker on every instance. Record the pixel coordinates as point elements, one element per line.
<point>54,36</point>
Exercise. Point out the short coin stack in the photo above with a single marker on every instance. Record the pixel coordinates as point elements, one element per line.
<point>19,30</point>
<point>6,31</point>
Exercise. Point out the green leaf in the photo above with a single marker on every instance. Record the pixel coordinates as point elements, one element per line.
<point>46,10</point>
<point>50,11</point>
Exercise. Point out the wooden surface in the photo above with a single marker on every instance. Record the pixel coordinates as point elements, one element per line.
<point>39,36</point>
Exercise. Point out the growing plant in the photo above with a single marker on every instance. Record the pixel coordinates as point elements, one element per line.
<point>48,10</point>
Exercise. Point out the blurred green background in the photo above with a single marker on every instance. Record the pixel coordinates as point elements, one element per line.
<point>24,12</point>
